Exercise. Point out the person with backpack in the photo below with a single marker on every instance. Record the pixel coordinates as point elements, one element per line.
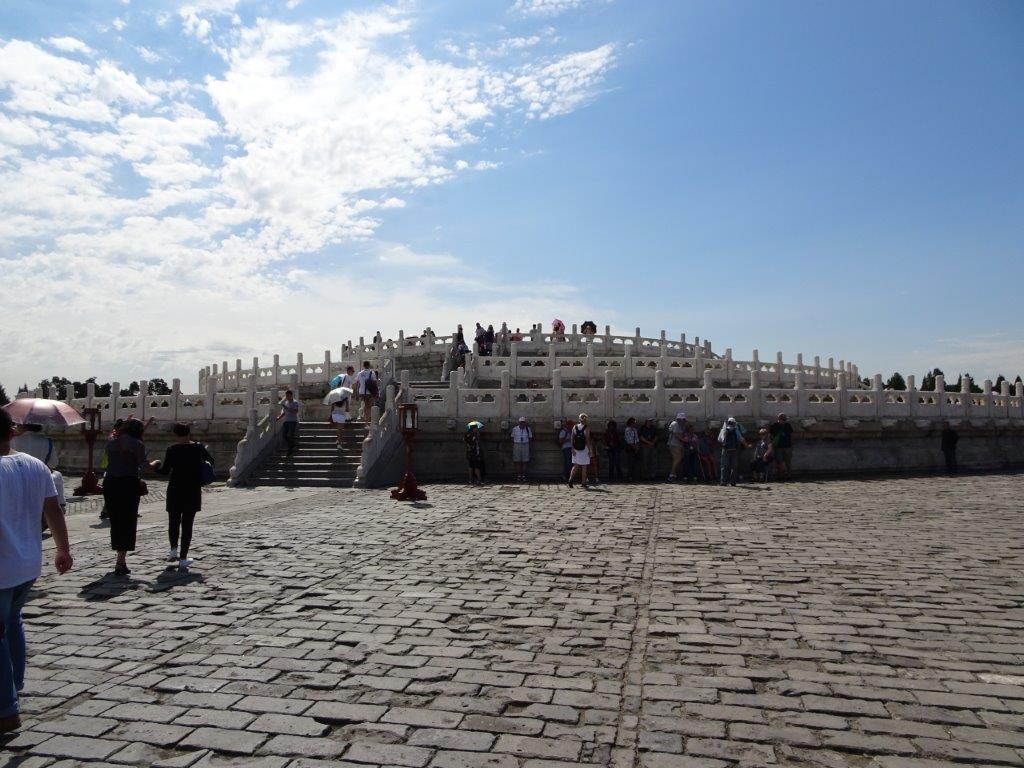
<point>367,388</point>
<point>565,444</point>
<point>582,449</point>
<point>474,453</point>
<point>190,467</point>
<point>731,439</point>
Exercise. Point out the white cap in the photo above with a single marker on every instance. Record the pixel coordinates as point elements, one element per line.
<point>522,419</point>
<point>681,416</point>
<point>731,420</point>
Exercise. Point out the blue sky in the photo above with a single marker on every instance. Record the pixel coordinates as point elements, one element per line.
<point>210,179</point>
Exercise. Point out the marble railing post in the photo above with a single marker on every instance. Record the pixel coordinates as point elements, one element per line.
<point>663,361</point>
<point>660,397</point>
<point>115,396</point>
<point>389,399</point>
<point>707,347</point>
<point>682,345</point>
<point>965,395</point>
<point>609,394</point>
<point>591,366</point>
<point>256,368</point>
<point>831,373</point>
<point>663,345</point>
<point>556,395</point>
<point>1004,390</point>
<point>698,361</point>
<point>841,393</point>
<point>505,406</point>
<point>175,398</point>
<point>607,338</point>
<point>552,360</point>
<point>778,367</point>
<point>453,395</point>
<point>1018,388</point>
<point>211,396</point>
<point>327,365</point>
<point>90,393</point>
<point>637,340</point>
<point>277,370</point>
<point>225,380</point>
<point>911,396</point>
<point>755,362</point>
<point>403,379</point>
<point>627,365</point>
<point>817,371</point>
<point>69,393</point>
<point>401,342</point>
<point>298,370</point>
<point>798,391</point>
<point>238,373</point>
<point>513,360</point>
<point>755,394</point>
<point>728,366</point>
<point>940,394</point>
<point>274,407</point>
<point>709,395</point>
<point>250,393</point>
<point>877,394</point>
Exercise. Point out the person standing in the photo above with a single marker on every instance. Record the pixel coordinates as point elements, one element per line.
<point>367,388</point>
<point>763,457</point>
<point>27,493</point>
<point>123,487</point>
<point>344,379</point>
<point>731,439</point>
<point>474,454</point>
<point>290,414</point>
<point>338,418</point>
<point>781,433</point>
<point>631,439</point>
<point>488,341</point>
<point>184,461</point>
<point>691,462</point>
<point>582,448</point>
<point>949,440</point>
<point>565,444</point>
<point>521,437</point>
<point>649,448</point>
<point>613,447</point>
<point>676,430</point>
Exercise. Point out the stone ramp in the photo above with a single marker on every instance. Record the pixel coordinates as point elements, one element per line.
<point>318,462</point>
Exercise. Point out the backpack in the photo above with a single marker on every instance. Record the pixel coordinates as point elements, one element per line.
<point>371,384</point>
<point>579,438</point>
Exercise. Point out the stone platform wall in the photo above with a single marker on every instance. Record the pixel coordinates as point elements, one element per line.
<point>818,452</point>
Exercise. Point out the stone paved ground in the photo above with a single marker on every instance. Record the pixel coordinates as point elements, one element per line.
<point>852,623</point>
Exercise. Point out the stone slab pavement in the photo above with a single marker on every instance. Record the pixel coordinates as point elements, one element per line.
<point>848,623</point>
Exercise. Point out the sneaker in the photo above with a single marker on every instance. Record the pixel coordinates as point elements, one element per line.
<point>172,554</point>
<point>183,565</point>
<point>671,478</point>
<point>10,723</point>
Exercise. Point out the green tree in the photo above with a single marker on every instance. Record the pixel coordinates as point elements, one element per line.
<point>896,381</point>
<point>159,387</point>
<point>132,389</point>
<point>4,399</point>
<point>928,382</point>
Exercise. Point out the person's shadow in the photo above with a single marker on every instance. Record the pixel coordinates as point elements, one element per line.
<point>171,577</point>
<point>109,586</point>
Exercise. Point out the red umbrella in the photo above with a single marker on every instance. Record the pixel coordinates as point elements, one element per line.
<point>46,413</point>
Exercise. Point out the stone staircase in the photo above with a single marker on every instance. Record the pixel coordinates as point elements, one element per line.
<point>318,461</point>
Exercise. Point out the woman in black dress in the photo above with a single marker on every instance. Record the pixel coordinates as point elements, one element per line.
<point>122,487</point>
<point>184,463</point>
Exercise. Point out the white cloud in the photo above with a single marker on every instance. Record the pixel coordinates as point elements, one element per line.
<point>69,44</point>
<point>548,7</point>
<point>150,57</point>
<point>119,24</point>
<point>178,203</point>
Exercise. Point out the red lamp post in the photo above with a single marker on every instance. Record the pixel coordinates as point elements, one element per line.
<point>408,421</point>
<point>90,484</point>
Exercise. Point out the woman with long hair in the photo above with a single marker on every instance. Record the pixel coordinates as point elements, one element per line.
<point>122,488</point>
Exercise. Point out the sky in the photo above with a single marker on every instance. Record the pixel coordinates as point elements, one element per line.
<point>188,181</point>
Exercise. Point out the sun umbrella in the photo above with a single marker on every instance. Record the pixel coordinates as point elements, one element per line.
<point>477,424</point>
<point>337,395</point>
<point>46,413</point>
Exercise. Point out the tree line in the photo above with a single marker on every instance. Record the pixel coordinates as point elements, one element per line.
<point>897,382</point>
<point>58,387</point>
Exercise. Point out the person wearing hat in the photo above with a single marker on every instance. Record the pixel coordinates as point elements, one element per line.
<point>676,431</point>
<point>521,437</point>
<point>474,453</point>
<point>731,439</point>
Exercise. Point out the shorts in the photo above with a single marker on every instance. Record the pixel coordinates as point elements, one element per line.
<point>581,457</point>
<point>520,453</point>
<point>676,451</point>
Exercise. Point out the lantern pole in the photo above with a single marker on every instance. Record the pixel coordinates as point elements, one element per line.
<point>90,485</point>
<point>408,420</point>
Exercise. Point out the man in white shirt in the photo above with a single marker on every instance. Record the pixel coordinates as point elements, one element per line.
<point>367,388</point>
<point>521,437</point>
<point>27,494</point>
<point>29,438</point>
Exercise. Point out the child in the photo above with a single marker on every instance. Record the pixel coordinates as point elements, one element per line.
<point>763,457</point>
<point>339,417</point>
